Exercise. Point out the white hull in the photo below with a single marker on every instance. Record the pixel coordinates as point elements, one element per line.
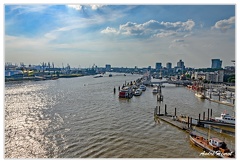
<point>225,118</point>
<point>199,95</point>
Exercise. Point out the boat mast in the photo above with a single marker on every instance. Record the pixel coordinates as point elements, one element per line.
<point>209,132</point>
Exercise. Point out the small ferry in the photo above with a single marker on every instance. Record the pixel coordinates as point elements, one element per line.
<point>214,146</point>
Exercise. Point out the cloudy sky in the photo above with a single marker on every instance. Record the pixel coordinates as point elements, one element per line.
<point>121,35</point>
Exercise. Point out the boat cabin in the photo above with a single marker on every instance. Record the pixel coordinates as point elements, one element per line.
<point>227,117</point>
<point>218,143</point>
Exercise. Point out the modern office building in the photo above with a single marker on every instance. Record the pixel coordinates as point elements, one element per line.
<point>108,67</point>
<point>158,66</point>
<point>216,63</point>
<point>169,65</point>
<point>180,64</point>
<point>149,68</point>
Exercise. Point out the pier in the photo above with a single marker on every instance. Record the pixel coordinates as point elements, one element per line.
<point>185,123</point>
<point>220,102</point>
<point>176,82</point>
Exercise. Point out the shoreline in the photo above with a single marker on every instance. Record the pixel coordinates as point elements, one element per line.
<point>33,78</point>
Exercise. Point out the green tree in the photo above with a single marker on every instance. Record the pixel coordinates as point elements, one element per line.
<point>231,79</point>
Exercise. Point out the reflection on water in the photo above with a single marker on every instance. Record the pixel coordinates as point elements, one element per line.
<point>82,117</point>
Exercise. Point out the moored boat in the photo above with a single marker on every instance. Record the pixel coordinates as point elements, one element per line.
<point>199,95</point>
<point>138,92</point>
<point>215,146</point>
<point>40,77</point>
<point>155,90</point>
<point>98,76</point>
<point>125,92</point>
<point>225,118</point>
<point>143,87</point>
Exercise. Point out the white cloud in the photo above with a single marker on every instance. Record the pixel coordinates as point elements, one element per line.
<point>178,43</point>
<point>179,26</point>
<point>178,40</point>
<point>165,34</point>
<point>131,28</point>
<point>188,34</point>
<point>109,30</point>
<point>153,28</point>
<point>152,24</point>
<point>95,7</point>
<point>80,7</point>
<point>76,7</point>
<point>224,24</point>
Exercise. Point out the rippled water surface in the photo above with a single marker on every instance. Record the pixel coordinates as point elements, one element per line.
<point>83,118</point>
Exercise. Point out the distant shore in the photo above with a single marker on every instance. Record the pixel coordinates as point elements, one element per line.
<point>33,78</point>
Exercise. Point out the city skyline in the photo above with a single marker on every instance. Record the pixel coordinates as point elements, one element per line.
<point>120,35</point>
<point>156,65</point>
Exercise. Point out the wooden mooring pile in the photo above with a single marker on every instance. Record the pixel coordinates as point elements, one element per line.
<point>159,94</point>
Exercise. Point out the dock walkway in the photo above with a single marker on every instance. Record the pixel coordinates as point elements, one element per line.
<point>220,102</point>
<point>185,122</point>
<point>171,120</point>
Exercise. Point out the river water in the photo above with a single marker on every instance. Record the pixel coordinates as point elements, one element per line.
<point>83,118</point>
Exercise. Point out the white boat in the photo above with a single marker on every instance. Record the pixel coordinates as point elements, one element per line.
<point>98,76</point>
<point>40,77</point>
<point>215,93</point>
<point>138,92</point>
<point>226,118</point>
<point>225,102</point>
<point>199,95</point>
<point>146,79</point>
<point>142,87</point>
<point>155,90</point>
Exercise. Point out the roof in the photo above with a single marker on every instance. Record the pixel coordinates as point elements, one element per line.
<point>217,140</point>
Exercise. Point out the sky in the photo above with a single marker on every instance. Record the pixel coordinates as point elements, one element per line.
<point>123,35</point>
